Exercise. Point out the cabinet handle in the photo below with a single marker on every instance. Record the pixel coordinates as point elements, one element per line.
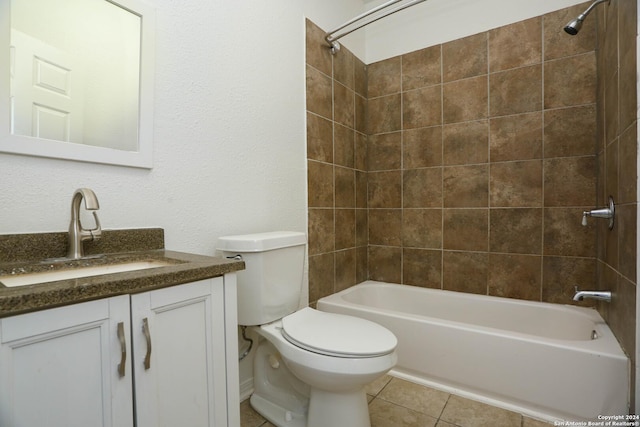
<point>123,349</point>
<point>147,335</point>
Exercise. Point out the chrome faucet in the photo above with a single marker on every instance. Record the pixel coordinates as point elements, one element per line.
<point>599,295</point>
<point>77,234</point>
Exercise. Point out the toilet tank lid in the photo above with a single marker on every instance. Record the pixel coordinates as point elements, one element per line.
<point>259,242</point>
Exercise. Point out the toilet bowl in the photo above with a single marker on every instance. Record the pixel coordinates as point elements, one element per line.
<point>336,356</point>
<point>311,367</point>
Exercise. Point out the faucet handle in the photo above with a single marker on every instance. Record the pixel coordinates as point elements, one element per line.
<point>96,233</point>
<point>90,199</point>
<point>606,213</point>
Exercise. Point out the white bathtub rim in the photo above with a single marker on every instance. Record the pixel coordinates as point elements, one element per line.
<point>600,346</point>
<point>588,312</point>
<point>606,344</point>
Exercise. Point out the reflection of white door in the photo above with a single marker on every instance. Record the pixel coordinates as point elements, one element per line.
<point>46,94</point>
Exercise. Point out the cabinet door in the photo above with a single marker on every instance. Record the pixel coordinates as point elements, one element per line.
<point>179,361</point>
<point>59,367</point>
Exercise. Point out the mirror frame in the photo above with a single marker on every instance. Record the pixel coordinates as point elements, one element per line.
<point>30,146</point>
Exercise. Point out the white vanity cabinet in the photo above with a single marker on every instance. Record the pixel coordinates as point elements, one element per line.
<point>58,367</point>
<point>182,381</point>
<point>63,367</point>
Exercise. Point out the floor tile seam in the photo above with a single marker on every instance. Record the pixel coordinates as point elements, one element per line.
<point>487,405</point>
<point>442,411</point>
<point>449,423</point>
<point>436,417</point>
<point>383,387</point>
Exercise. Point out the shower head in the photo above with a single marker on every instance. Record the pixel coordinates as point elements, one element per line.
<point>574,26</point>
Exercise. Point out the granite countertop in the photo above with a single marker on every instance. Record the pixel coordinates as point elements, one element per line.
<point>184,268</point>
<point>180,268</point>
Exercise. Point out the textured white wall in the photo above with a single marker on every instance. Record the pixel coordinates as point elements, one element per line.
<point>440,21</point>
<point>229,133</point>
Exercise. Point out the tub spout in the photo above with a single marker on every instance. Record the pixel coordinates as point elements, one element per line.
<point>599,295</point>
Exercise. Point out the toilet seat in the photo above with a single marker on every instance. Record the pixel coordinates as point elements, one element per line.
<point>337,335</point>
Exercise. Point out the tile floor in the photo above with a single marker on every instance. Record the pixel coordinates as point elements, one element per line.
<point>394,402</point>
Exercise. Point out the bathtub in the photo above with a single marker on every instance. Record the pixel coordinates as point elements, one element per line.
<point>549,361</point>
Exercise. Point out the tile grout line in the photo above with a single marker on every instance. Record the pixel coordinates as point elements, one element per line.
<point>442,410</point>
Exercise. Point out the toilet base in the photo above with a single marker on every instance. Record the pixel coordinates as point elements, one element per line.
<point>277,415</point>
<point>338,409</point>
<point>325,409</point>
<point>279,396</point>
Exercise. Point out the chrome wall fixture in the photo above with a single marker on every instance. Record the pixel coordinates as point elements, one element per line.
<point>606,213</point>
<point>574,26</point>
<point>354,24</point>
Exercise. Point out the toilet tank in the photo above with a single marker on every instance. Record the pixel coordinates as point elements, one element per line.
<point>270,286</point>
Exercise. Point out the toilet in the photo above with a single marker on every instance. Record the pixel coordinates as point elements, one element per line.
<point>311,368</point>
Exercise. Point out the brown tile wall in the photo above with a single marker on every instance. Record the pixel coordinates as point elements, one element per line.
<point>337,170</point>
<point>482,158</point>
<point>466,166</point>
<point>617,147</point>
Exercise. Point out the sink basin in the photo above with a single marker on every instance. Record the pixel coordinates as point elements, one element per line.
<point>75,273</point>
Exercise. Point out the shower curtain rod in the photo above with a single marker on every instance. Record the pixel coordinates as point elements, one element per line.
<point>332,38</point>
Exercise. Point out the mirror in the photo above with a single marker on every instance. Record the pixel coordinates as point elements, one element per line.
<point>76,80</point>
